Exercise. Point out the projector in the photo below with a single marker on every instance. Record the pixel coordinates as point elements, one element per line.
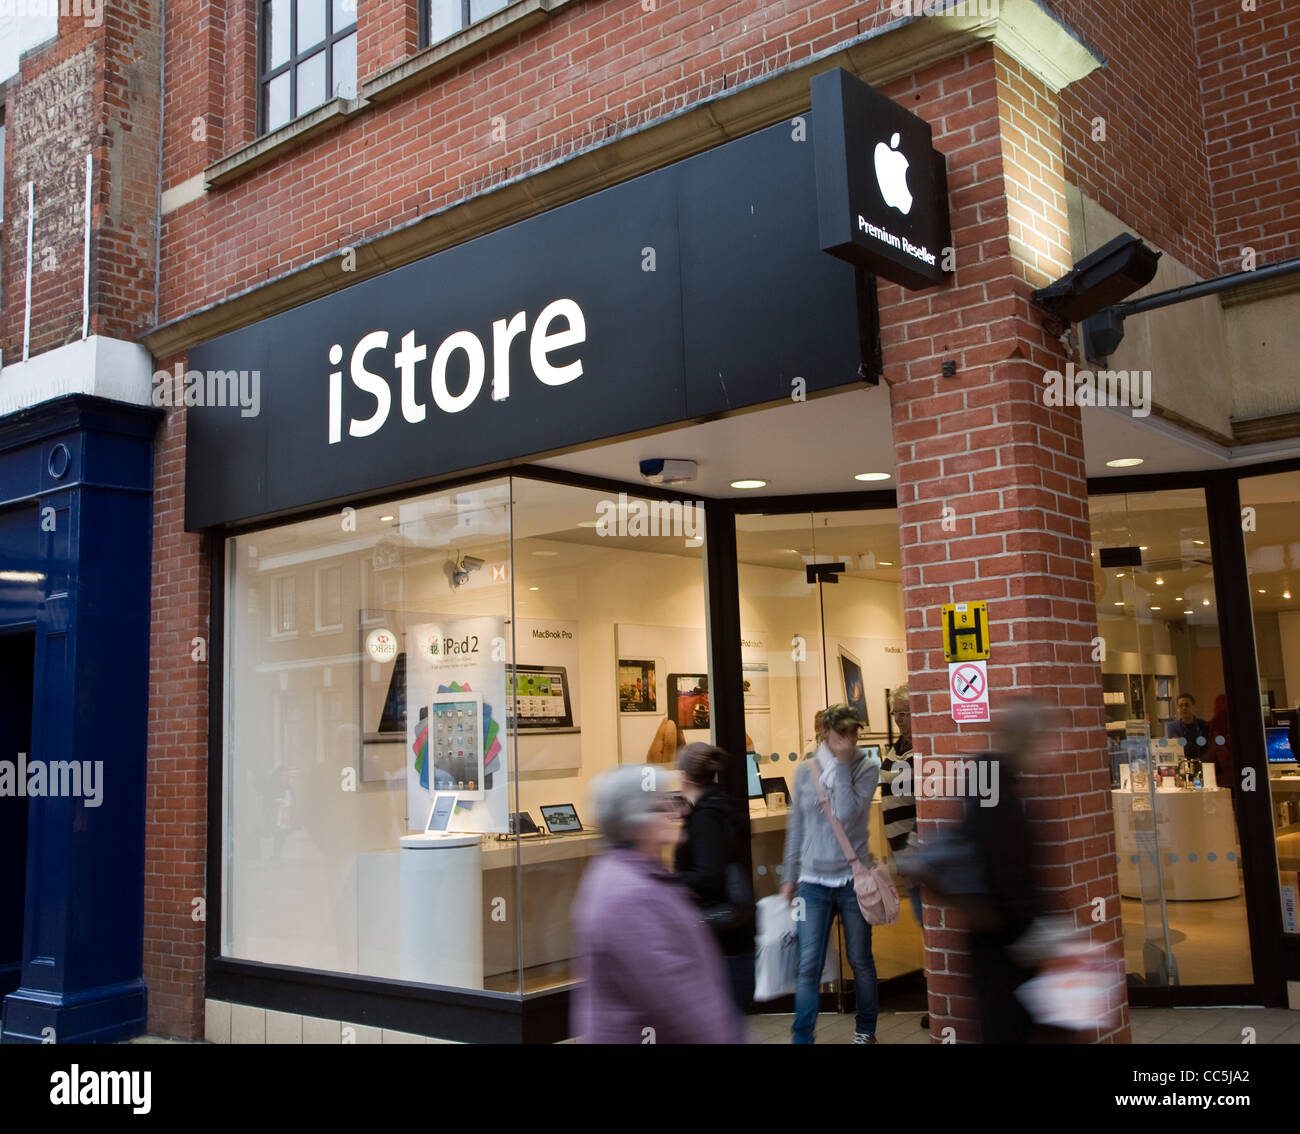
<point>661,470</point>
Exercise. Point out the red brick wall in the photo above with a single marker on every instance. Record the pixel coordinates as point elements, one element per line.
<point>49,128</point>
<point>591,64</point>
<point>176,811</point>
<point>1011,470</point>
<point>93,89</point>
<point>1249,74</point>
<point>1151,169</point>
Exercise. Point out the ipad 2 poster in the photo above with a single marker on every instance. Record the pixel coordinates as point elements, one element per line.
<point>456,722</point>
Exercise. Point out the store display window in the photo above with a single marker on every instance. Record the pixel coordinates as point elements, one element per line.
<point>405,767</point>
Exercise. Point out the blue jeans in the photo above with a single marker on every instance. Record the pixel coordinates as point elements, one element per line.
<point>820,906</point>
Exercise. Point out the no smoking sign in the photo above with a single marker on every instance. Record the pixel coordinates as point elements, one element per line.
<point>968,682</point>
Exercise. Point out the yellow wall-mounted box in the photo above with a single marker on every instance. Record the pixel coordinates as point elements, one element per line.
<point>965,631</point>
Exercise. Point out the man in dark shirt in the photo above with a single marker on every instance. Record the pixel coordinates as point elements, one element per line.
<point>1190,729</point>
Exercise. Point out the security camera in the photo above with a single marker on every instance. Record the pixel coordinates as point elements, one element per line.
<point>1115,271</point>
<point>661,470</point>
<point>460,571</point>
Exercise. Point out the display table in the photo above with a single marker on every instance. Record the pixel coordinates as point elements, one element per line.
<point>552,867</point>
<point>1196,840</point>
<point>441,909</point>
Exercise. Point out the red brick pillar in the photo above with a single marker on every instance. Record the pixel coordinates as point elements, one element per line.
<point>176,820</point>
<point>388,33</point>
<point>993,505</point>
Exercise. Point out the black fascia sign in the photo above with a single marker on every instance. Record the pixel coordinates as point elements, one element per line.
<point>882,193</point>
<point>680,295</point>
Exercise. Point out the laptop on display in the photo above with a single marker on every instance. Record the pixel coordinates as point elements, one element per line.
<point>561,819</point>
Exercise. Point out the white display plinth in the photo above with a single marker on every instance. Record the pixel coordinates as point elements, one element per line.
<point>442,909</point>
<point>1197,839</point>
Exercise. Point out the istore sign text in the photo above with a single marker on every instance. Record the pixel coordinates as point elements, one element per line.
<point>689,292</point>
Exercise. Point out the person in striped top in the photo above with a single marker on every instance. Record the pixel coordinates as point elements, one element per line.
<point>897,800</point>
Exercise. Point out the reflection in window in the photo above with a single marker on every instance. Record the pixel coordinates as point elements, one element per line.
<point>1271,522</point>
<point>445,18</point>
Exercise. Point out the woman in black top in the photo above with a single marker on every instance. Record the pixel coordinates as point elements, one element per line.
<point>710,844</point>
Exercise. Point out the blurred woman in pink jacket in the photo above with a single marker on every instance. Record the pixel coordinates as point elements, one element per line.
<point>650,970</point>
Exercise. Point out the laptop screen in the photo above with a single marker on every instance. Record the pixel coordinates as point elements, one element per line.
<point>561,818</point>
<point>1279,746</point>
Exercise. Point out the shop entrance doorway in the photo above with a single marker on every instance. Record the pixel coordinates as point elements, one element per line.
<point>1176,787</point>
<point>821,617</point>
<point>17,655</point>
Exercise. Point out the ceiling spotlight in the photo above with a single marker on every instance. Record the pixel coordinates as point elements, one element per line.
<point>534,588</point>
<point>1159,582</point>
<point>1124,462</point>
<point>1205,602</point>
<point>1286,594</point>
<point>385,519</point>
<point>1142,547</point>
<point>1187,612</point>
<point>885,563</point>
<point>1199,542</point>
<point>1119,604</point>
<point>749,484</point>
<point>1262,591</point>
<point>1155,608</point>
<point>872,476</point>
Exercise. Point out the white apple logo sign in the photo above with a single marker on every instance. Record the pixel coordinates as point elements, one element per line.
<point>891,174</point>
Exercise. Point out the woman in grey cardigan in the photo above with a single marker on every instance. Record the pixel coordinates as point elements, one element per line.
<point>815,863</point>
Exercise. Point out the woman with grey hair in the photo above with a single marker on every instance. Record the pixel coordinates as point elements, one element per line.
<point>650,970</point>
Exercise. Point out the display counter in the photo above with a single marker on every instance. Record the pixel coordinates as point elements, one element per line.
<point>443,909</point>
<point>1196,843</point>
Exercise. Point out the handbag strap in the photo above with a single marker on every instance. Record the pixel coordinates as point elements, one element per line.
<point>843,839</point>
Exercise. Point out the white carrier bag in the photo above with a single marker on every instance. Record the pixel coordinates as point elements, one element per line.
<point>776,950</point>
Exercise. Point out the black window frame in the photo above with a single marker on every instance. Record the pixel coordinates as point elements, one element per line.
<point>266,73</point>
<point>426,21</point>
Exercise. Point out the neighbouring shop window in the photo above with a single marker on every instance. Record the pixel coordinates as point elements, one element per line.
<point>501,644</point>
<point>1271,523</point>
<point>308,56</point>
<point>444,18</point>
<point>1171,765</point>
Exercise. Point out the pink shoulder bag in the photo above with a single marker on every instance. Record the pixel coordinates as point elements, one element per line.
<point>875,890</point>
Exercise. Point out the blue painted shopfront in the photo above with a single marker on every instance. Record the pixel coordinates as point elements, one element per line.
<point>75,533</point>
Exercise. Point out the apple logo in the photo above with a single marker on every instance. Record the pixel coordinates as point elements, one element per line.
<point>891,174</point>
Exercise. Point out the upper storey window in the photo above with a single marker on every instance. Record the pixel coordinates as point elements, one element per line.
<point>309,56</point>
<point>443,18</point>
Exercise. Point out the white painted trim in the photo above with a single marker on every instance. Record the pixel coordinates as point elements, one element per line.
<point>180,195</point>
<point>27,314</point>
<point>85,271</point>
<point>97,365</point>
